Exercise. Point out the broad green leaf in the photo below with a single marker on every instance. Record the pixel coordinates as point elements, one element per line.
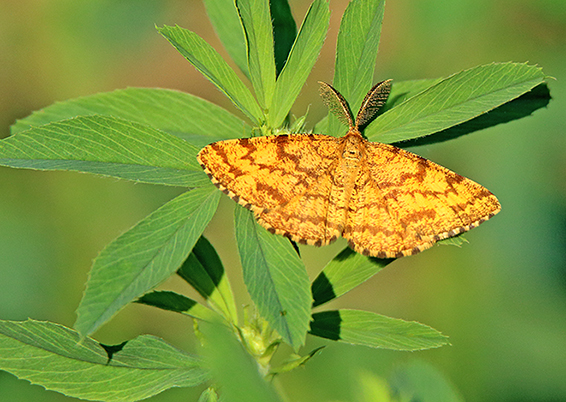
<point>346,271</point>
<point>224,17</point>
<point>374,330</point>
<point>356,53</point>
<point>207,60</point>
<point>284,31</point>
<point>234,371</point>
<point>403,90</point>
<point>59,359</point>
<point>171,301</point>
<point>454,100</point>
<point>204,271</point>
<point>275,277</point>
<point>256,20</point>
<point>106,146</point>
<point>144,256</point>
<point>520,107</point>
<point>301,60</point>
<point>184,115</point>
<point>420,381</point>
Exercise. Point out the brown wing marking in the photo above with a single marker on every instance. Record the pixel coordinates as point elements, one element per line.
<point>406,203</point>
<point>285,180</point>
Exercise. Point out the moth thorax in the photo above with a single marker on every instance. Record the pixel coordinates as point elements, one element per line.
<point>352,146</point>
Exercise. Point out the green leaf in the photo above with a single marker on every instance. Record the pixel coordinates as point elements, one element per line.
<point>144,256</point>
<point>403,90</point>
<point>301,60</point>
<point>207,60</point>
<point>256,20</point>
<point>184,115</point>
<point>224,17</point>
<point>356,53</point>
<point>284,31</point>
<point>58,359</point>
<point>204,271</point>
<point>454,100</point>
<point>171,301</point>
<point>275,277</point>
<point>374,330</point>
<point>520,107</point>
<point>106,146</point>
<point>232,367</point>
<point>346,271</point>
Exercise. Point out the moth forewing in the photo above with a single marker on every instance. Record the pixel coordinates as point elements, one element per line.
<point>336,104</point>
<point>397,204</point>
<point>373,101</point>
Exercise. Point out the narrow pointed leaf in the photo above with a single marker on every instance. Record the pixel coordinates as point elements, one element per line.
<point>301,60</point>
<point>144,256</point>
<point>284,31</point>
<point>346,271</point>
<point>356,53</point>
<point>207,60</point>
<point>455,100</point>
<point>224,17</point>
<point>106,146</point>
<point>58,359</point>
<point>184,115</point>
<point>275,277</point>
<point>175,302</point>
<point>374,330</point>
<point>204,271</point>
<point>256,20</point>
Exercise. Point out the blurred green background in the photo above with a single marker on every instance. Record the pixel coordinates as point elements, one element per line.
<point>501,298</point>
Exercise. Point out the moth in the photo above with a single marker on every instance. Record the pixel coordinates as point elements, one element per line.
<point>313,188</point>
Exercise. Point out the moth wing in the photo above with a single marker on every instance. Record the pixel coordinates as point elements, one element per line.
<point>403,203</point>
<point>285,180</point>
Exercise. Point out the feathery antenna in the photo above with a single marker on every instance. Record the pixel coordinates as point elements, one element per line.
<point>336,104</point>
<point>373,101</point>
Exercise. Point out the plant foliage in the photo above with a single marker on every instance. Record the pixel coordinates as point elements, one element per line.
<point>153,135</point>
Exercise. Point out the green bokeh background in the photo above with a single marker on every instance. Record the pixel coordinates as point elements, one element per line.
<point>501,298</point>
